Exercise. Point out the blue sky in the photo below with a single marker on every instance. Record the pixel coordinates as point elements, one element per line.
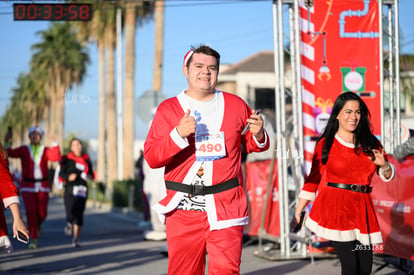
<point>237,29</point>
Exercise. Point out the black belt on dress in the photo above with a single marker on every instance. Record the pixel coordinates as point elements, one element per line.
<point>198,189</point>
<point>34,180</point>
<point>352,187</point>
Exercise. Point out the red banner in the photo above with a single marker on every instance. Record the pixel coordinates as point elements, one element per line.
<point>257,176</point>
<point>340,52</point>
<point>394,202</point>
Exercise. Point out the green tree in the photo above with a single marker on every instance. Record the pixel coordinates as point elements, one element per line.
<point>27,106</point>
<point>63,60</point>
<point>407,77</point>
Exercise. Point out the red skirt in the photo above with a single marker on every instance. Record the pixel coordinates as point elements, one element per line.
<point>344,215</point>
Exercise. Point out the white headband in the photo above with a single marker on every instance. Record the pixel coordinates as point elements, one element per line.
<point>187,57</point>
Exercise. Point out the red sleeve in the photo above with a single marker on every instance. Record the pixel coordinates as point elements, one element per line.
<point>240,107</point>
<point>314,178</point>
<point>251,145</point>
<point>159,147</point>
<point>15,153</point>
<point>53,153</point>
<point>7,187</point>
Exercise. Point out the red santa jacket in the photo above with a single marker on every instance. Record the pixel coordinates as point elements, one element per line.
<point>35,171</point>
<point>8,192</point>
<point>164,147</point>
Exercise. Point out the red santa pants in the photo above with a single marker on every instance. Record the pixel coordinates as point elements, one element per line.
<point>35,205</point>
<point>189,238</point>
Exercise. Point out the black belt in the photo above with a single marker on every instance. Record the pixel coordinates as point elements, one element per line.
<point>34,180</point>
<point>198,189</point>
<point>352,187</point>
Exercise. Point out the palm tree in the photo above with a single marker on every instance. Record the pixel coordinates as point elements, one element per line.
<point>134,12</point>
<point>93,31</point>
<point>64,60</point>
<point>28,104</point>
<point>102,30</point>
<point>30,99</point>
<point>406,77</point>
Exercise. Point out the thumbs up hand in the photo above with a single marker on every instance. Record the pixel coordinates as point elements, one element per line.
<point>187,125</point>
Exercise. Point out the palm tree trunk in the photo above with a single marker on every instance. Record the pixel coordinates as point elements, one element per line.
<point>129,123</point>
<point>101,161</point>
<point>59,119</point>
<point>45,117</point>
<point>52,113</point>
<point>50,109</point>
<point>112,156</point>
<point>159,46</point>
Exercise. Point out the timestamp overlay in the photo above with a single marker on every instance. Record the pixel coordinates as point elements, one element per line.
<point>52,12</point>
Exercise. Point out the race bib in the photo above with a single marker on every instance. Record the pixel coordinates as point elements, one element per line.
<point>79,191</point>
<point>210,147</point>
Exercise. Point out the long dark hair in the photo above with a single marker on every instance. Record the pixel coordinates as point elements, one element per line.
<point>364,139</point>
<point>81,143</point>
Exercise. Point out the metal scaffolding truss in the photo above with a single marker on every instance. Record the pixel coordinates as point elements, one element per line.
<point>289,124</point>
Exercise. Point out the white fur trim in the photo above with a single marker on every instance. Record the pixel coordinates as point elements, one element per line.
<point>5,244</point>
<point>310,196</point>
<point>261,145</point>
<point>343,142</point>
<point>343,235</point>
<point>181,142</point>
<point>10,200</point>
<point>381,173</point>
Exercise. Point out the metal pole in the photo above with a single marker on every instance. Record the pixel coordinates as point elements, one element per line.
<point>277,107</point>
<point>397,73</point>
<point>119,99</point>
<point>296,144</point>
<point>298,83</point>
<point>391,52</point>
<point>381,70</point>
<point>282,160</point>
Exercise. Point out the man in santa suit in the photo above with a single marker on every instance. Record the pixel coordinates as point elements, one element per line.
<point>35,185</point>
<point>198,136</point>
<point>10,199</point>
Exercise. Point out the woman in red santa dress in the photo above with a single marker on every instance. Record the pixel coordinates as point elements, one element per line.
<point>10,199</point>
<point>348,155</point>
<point>35,185</point>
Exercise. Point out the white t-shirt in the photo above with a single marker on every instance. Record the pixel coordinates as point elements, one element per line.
<point>205,113</point>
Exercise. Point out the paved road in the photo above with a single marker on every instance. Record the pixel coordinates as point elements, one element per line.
<point>112,244</point>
